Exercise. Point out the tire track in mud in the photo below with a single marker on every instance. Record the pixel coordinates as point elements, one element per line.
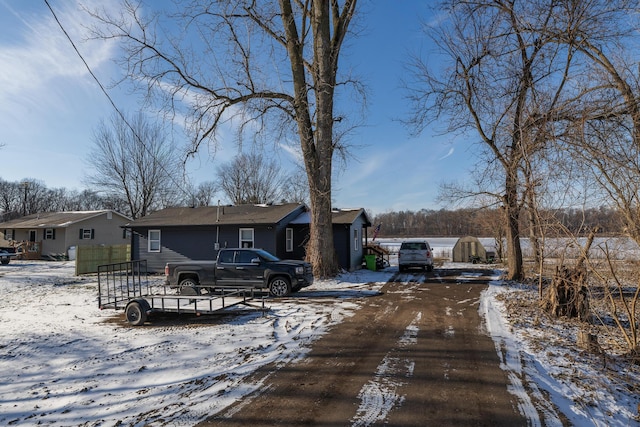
<point>413,356</point>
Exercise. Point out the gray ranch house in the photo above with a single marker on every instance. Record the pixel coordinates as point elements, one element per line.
<point>52,234</point>
<point>183,233</point>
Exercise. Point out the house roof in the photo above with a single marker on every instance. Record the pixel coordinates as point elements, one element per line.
<point>55,219</point>
<point>338,216</point>
<point>222,215</point>
<point>348,216</point>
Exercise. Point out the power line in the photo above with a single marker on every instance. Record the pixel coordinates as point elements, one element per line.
<point>113,104</point>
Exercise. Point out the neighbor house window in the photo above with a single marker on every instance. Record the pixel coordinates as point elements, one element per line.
<point>10,234</point>
<point>49,233</point>
<point>246,237</point>
<point>87,233</point>
<point>356,240</point>
<point>154,240</point>
<point>289,240</point>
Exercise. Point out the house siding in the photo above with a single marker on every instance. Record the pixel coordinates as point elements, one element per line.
<point>179,244</point>
<point>341,243</point>
<point>349,253</point>
<point>106,231</point>
<point>357,250</point>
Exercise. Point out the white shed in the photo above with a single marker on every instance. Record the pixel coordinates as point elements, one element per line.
<point>469,249</point>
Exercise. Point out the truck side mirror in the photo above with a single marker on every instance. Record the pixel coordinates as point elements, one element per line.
<point>255,261</point>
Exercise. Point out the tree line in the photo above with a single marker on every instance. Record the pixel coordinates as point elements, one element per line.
<point>489,222</point>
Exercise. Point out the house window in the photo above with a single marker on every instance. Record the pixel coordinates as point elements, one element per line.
<point>154,240</point>
<point>10,234</point>
<point>356,240</point>
<point>289,240</point>
<point>87,233</point>
<point>49,233</point>
<point>246,237</point>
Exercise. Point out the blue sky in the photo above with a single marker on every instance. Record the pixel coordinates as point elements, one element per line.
<point>50,106</point>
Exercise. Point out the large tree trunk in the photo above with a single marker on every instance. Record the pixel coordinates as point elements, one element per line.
<point>512,213</point>
<point>320,249</point>
<point>316,138</point>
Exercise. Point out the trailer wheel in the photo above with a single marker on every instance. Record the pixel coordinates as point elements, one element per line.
<point>136,316</point>
<point>279,286</point>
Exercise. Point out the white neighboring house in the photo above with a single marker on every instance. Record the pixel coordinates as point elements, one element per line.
<point>53,233</point>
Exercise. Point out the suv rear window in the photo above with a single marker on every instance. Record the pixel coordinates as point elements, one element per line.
<point>413,246</point>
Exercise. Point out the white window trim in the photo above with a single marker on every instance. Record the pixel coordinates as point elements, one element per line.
<point>240,240</point>
<point>289,239</point>
<point>356,239</point>
<point>150,240</point>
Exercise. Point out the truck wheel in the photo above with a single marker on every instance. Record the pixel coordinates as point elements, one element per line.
<point>5,261</point>
<point>189,286</point>
<point>279,287</point>
<point>136,316</point>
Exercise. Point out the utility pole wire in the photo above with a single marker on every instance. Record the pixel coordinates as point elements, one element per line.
<point>113,104</point>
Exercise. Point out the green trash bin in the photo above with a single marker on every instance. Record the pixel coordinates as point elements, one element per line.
<point>371,262</point>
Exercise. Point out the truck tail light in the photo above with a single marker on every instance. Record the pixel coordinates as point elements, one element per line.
<point>428,254</point>
<point>166,270</point>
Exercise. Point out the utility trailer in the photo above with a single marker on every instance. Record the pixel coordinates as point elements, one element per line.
<point>126,285</point>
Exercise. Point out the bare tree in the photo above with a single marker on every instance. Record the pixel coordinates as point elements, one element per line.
<point>11,200</point>
<point>604,131</point>
<point>85,200</point>
<point>295,188</point>
<point>258,63</point>
<point>35,196</point>
<point>132,161</point>
<point>203,194</point>
<point>502,76</point>
<point>251,179</point>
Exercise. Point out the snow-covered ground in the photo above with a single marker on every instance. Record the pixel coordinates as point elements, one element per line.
<point>65,362</point>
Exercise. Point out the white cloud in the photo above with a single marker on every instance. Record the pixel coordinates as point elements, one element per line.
<point>38,55</point>
<point>449,153</point>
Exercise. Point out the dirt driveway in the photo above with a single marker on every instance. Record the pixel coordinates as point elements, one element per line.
<point>414,356</point>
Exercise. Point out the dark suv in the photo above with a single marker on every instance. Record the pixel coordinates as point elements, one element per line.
<point>415,254</point>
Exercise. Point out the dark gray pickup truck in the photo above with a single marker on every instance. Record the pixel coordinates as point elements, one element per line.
<point>5,256</point>
<point>239,268</point>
